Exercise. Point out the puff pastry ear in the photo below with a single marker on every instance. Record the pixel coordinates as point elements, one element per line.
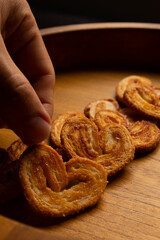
<point>117,148</point>
<point>80,138</point>
<point>122,85</point>
<point>143,99</point>
<point>105,117</point>
<point>57,125</point>
<point>105,104</point>
<point>145,135</point>
<point>55,189</point>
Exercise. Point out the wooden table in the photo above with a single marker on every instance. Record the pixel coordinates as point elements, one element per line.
<point>89,61</point>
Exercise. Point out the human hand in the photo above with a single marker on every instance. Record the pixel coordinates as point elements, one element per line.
<point>26,74</point>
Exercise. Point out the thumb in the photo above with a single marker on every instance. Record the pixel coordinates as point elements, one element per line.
<point>20,107</point>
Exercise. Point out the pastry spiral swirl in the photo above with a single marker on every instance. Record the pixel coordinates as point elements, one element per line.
<point>112,146</point>
<point>143,99</point>
<point>80,138</point>
<point>105,117</point>
<point>145,135</point>
<point>105,104</point>
<point>56,189</point>
<point>57,127</point>
<point>122,85</point>
<point>117,148</point>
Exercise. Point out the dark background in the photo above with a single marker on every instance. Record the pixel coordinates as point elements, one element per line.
<point>49,13</point>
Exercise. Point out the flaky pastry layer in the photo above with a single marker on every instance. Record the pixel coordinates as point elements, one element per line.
<point>145,135</point>
<point>80,138</point>
<point>103,104</point>
<point>106,117</point>
<point>143,99</point>
<point>56,189</point>
<point>122,85</point>
<point>117,148</point>
<point>57,125</point>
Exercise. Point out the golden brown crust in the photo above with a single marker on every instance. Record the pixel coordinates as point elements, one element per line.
<point>16,149</point>
<point>57,127</point>
<point>105,117</point>
<point>145,135</point>
<point>143,99</point>
<point>80,138</point>
<point>103,104</point>
<point>80,182</point>
<point>122,85</point>
<point>117,147</point>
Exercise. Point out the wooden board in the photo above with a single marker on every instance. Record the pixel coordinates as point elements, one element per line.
<point>130,206</point>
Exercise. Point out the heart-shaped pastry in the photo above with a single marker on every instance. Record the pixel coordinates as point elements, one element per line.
<point>105,104</point>
<point>145,135</point>
<point>122,85</point>
<point>112,146</point>
<point>143,99</point>
<point>56,189</point>
<point>117,148</point>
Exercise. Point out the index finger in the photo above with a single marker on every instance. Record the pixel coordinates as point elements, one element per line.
<point>27,48</point>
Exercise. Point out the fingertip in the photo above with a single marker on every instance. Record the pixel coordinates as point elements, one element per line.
<point>35,130</point>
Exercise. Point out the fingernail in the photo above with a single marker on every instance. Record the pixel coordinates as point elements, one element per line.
<point>36,130</point>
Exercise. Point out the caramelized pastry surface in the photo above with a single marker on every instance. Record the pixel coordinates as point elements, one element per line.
<point>105,117</point>
<point>58,124</point>
<point>80,138</point>
<point>122,85</point>
<point>16,149</point>
<point>56,189</point>
<point>117,148</point>
<point>105,104</point>
<point>145,135</point>
<point>143,99</point>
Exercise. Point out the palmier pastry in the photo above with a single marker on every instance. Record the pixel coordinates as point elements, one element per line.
<point>80,138</point>
<point>104,117</point>
<point>143,100</point>
<point>56,189</point>
<point>9,171</point>
<point>145,135</point>
<point>57,127</point>
<point>117,148</point>
<point>122,85</point>
<point>105,104</point>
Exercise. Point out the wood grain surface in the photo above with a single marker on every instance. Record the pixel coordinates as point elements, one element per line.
<point>130,205</point>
